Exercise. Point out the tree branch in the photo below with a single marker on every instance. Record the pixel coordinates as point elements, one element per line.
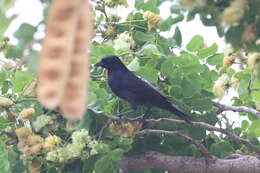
<point>209,127</point>
<point>206,126</point>
<point>173,164</point>
<point>223,107</point>
<point>200,147</point>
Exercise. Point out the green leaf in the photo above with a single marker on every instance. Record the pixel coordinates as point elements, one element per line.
<point>3,76</point>
<point>244,125</point>
<point>221,149</point>
<point>25,33</point>
<point>104,165</point>
<point>202,53</point>
<point>150,50</point>
<point>167,24</point>
<point>216,60</point>
<point>256,96</point>
<point>139,4</point>
<point>3,122</point>
<point>134,65</point>
<point>116,154</point>
<point>151,5</point>
<point>141,37</point>
<point>149,74</point>
<point>176,9</point>
<point>14,52</point>
<point>167,67</point>
<point>177,36</point>
<point>195,44</point>
<point>190,86</point>
<point>255,128</point>
<point>4,164</point>
<point>99,51</point>
<point>20,80</point>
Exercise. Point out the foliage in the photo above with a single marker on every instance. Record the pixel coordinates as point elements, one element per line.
<point>186,74</point>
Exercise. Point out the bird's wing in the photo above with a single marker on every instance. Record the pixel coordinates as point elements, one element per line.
<point>140,86</point>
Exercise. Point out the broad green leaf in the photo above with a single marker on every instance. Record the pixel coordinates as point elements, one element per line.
<point>167,67</point>
<point>14,52</point>
<point>244,125</point>
<point>134,65</point>
<point>116,154</point>
<point>105,165</point>
<point>168,23</point>
<point>139,4</point>
<point>4,164</point>
<point>141,37</point>
<point>151,5</point>
<point>216,60</point>
<point>195,44</point>
<point>150,50</point>
<point>255,128</point>
<point>25,33</point>
<point>99,51</point>
<point>177,36</point>
<point>202,53</point>
<point>20,80</point>
<point>190,86</point>
<point>149,74</point>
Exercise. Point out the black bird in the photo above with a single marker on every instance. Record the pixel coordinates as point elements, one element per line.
<point>134,90</point>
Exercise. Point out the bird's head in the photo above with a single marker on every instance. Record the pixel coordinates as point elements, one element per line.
<point>110,63</point>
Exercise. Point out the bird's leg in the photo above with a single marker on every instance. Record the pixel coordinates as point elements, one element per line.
<point>133,109</point>
<point>124,113</point>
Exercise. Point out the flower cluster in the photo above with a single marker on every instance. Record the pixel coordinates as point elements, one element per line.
<point>228,61</point>
<point>152,19</point>
<point>41,122</point>
<point>29,143</point>
<point>223,83</point>
<point>26,114</point>
<point>123,42</point>
<point>75,149</point>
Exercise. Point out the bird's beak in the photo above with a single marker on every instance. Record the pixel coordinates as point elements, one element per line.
<point>99,64</point>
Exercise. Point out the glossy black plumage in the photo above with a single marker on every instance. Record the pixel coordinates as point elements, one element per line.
<point>135,90</point>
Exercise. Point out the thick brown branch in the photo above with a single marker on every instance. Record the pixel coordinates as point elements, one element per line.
<point>223,107</point>
<point>174,164</point>
<point>209,127</point>
<point>200,147</point>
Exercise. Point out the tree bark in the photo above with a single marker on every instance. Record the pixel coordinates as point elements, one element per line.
<point>185,164</point>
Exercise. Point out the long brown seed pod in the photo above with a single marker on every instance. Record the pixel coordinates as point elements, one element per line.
<point>56,53</point>
<point>73,104</point>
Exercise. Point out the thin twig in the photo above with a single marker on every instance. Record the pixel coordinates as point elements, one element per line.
<point>223,107</point>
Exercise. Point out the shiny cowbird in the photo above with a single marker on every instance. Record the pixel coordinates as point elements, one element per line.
<point>134,90</point>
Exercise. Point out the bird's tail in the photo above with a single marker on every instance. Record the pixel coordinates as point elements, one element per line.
<point>177,111</point>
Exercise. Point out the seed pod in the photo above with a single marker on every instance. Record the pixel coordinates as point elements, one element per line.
<point>56,53</point>
<point>73,104</point>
